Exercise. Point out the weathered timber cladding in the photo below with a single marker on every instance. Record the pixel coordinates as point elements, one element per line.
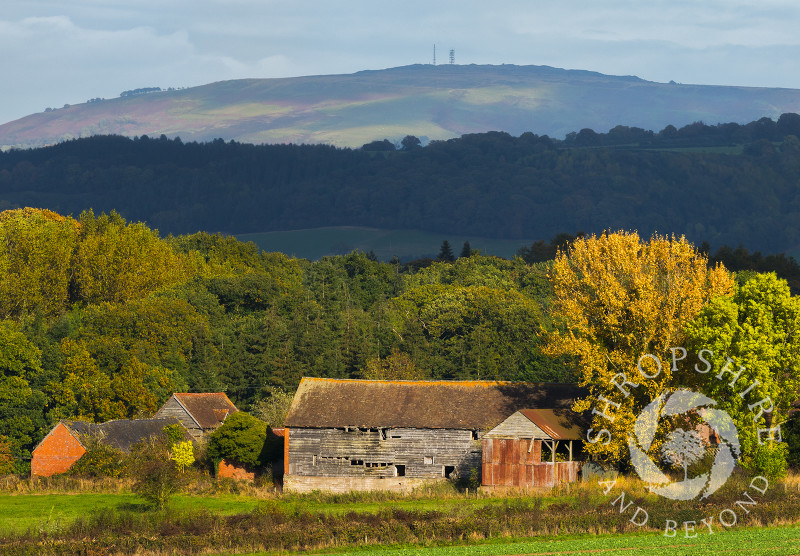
<point>173,409</point>
<point>517,426</point>
<point>424,453</point>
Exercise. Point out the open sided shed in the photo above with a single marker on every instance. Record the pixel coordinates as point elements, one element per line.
<point>512,451</point>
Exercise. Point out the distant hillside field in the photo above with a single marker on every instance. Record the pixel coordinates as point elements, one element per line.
<point>431,102</point>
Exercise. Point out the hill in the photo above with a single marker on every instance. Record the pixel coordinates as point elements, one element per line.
<point>431,102</point>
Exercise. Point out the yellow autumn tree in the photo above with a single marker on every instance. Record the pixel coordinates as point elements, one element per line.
<point>116,261</point>
<point>617,299</point>
<point>36,247</point>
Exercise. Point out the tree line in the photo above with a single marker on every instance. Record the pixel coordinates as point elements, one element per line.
<point>102,318</point>
<point>723,184</point>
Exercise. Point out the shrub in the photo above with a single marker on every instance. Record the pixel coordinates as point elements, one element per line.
<point>100,460</point>
<point>769,460</point>
<point>242,439</point>
<point>156,475</point>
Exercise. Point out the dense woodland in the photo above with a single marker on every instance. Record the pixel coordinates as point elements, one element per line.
<point>103,319</point>
<point>724,184</point>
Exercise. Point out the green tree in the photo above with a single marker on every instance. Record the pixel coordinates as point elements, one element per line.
<point>751,346</point>
<point>446,252</point>
<point>397,366</point>
<point>241,438</point>
<point>616,299</point>
<point>116,261</point>
<point>21,406</point>
<point>273,407</point>
<point>6,456</point>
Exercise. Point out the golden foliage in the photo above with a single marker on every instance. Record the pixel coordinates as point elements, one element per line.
<point>35,261</point>
<point>618,298</point>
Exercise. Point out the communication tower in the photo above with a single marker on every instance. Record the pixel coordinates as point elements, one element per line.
<point>452,56</point>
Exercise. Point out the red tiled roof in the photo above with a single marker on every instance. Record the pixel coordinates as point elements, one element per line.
<point>209,409</point>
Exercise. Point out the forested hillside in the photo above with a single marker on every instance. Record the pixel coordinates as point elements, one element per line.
<point>725,184</point>
<point>103,319</point>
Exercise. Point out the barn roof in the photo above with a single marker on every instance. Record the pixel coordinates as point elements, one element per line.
<point>474,405</point>
<point>209,410</point>
<point>121,434</point>
<point>557,424</point>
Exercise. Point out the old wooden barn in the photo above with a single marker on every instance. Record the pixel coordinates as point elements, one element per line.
<point>363,435</point>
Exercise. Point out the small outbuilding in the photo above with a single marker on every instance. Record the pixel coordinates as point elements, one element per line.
<point>66,443</point>
<point>533,448</point>
<point>200,413</point>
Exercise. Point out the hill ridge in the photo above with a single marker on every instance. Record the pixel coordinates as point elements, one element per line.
<point>434,102</point>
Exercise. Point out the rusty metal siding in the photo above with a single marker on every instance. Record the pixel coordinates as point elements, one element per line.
<point>510,462</point>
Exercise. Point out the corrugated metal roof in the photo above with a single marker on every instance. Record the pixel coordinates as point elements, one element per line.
<point>433,404</point>
<point>557,424</point>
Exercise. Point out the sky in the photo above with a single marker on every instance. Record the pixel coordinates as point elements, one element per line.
<point>61,52</point>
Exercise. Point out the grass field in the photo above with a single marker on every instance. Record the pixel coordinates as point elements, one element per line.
<point>753,542</point>
<point>48,512</point>
<point>406,244</point>
<point>440,520</point>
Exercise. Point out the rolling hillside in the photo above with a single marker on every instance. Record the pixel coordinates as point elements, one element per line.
<point>431,102</point>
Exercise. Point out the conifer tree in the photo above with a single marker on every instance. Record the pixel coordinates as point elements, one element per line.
<point>446,253</point>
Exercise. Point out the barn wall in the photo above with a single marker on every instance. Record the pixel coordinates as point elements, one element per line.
<point>424,453</point>
<point>56,453</point>
<point>338,485</point>
<point>174,409</point>
<point>517,426</point>
<point>510,462</point>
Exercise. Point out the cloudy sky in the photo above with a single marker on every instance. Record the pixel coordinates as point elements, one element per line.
<point>67,51</point>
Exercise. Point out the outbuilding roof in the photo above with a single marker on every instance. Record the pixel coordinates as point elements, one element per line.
<point>557,424</point>
<point>432,404</point>
<point>121,434</point>
<point>209,410</point>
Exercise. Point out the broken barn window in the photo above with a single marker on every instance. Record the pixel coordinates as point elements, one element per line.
<point>448,470</point>
<point>427,460</point>
<point>400,470</point>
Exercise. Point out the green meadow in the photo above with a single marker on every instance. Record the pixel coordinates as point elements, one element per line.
<point>751,541</point>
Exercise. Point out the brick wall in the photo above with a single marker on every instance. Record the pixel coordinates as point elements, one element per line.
<point>232,470</point>
<point>56,453</point>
